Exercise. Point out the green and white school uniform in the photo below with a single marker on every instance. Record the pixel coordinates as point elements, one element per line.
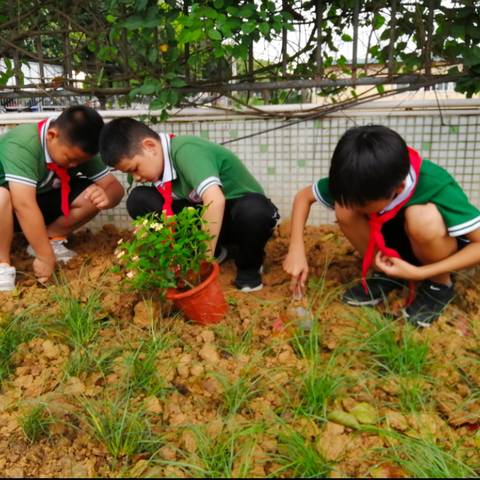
<point>193,165</point>
<point>435,185</point>
<point>24,160</point>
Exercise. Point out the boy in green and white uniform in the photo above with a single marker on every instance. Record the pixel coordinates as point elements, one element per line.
<point>189,170</point>
<point>409,211</point>
<point>41,192</point>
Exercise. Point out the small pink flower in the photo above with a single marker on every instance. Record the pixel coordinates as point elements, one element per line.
<point>131,274</point>
<point>120,253</point>
<point>136,258</point>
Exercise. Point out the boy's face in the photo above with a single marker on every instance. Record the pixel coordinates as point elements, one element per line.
<point>62,153</point>
<point>146,166</point>
<point>378,205</point>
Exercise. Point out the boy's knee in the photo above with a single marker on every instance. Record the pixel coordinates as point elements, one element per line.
<point>255,207</point>
<point>424,223</point>
<point>5,198</point>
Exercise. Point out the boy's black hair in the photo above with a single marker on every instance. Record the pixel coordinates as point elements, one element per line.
<point>80,127</point>
<point>122,138</point>
<point>368,164</point>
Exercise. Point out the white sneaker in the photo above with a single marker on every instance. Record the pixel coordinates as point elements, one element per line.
<point>62,253</point>
<point>7,277</point>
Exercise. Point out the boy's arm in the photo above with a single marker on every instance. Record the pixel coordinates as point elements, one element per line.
<point>24,201</point>
<point>295,263</point>
<point>107,192</point>
<point>214,198</point>
<point>467,257</point>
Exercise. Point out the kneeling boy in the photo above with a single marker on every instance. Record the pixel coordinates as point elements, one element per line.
<point>41,192</point>
<point>412,211</point>
<point>188,170</point>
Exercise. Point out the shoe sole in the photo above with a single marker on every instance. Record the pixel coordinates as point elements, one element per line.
<point>368,303</point>
<point>56,258</point>
<point>251,289</point>
<point>8,289</point>
<point>416,323</point>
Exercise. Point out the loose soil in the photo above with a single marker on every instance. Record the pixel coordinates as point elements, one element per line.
<point>200,363</point>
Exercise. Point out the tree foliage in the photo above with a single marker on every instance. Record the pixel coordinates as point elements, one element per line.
<point>160,48</point>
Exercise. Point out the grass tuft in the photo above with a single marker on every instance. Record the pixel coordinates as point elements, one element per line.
<point>36,422</point>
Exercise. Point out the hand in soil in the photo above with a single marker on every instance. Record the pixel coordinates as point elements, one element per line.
<point>43,269</point>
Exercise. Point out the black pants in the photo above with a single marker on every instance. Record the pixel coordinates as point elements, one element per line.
<point>50,203</point>
<point>248,221</point>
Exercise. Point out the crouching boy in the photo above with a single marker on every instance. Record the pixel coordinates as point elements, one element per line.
<point>406,216</point>
<point>51,183</point>
<point>188,170</point>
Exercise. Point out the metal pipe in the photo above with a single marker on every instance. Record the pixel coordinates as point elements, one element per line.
<point>427,107</point>
<point>415,81</point>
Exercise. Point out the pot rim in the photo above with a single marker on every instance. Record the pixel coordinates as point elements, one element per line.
<point>198,288</point>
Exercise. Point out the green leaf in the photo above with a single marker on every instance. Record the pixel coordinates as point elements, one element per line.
<point>218,4</point>
<point>140,5</point>
<point>364,413</point>
<point>178,83</point>
<point>248,27</point>
<point>133,22</point>
<point>152,55</point>
<point>343,418</point>
<point>380,89</point>
<point>110,18</point>
<point>233,11</point>
<point>347,38</point>
<point>214,34</point>
<point>147,89</point>
<point>8,63</point>
<point>458,31</point>
<point>378,22</point>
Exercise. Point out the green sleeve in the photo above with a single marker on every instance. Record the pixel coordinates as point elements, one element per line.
<point>19,164</point>
<point>199,167</point>
<point>94,169</point>
<point>321,193</point>
<point>459,215</point>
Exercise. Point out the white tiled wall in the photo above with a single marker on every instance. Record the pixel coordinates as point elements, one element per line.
<point>287,160</point>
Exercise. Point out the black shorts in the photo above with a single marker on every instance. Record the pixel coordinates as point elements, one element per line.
<point>396,237</point>
<point>50,203</point>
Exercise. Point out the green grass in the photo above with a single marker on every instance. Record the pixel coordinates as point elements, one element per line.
<point>232,341</point>
<point>79,314</point>
<point>299,456</point>
<point>143,363</point>
<point>230,454</point>
<point>121,427</point>
<point>13,332</point>
<point>36,422</point>
<point>425,459</point>
<point>392,349</point>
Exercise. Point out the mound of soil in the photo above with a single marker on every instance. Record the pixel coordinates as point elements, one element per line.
<point>198,367</point>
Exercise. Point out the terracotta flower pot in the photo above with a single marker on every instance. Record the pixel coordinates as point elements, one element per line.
<point>204,304</point>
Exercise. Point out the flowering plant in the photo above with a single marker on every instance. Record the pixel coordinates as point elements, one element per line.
<point>166,252</point>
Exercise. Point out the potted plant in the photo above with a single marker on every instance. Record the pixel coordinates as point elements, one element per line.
<point>171,254</point>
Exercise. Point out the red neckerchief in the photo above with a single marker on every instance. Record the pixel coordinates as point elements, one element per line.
<point>61,172</point>
<point>376,221</point>
<point>166,192</point>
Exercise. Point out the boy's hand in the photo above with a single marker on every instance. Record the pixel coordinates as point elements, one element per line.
<point>97,196</point>
<point>43,269</point>
<point>296,265</point>
<point>398,268</point>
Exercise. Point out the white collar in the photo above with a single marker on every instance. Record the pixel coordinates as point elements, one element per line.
<point>43,139</point>
<point>410,183</point>
<point>169,172</point>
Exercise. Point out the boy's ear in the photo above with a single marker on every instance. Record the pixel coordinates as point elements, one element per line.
<point>149,145</point>
<point>52,134</point>
<point>400,188</point>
